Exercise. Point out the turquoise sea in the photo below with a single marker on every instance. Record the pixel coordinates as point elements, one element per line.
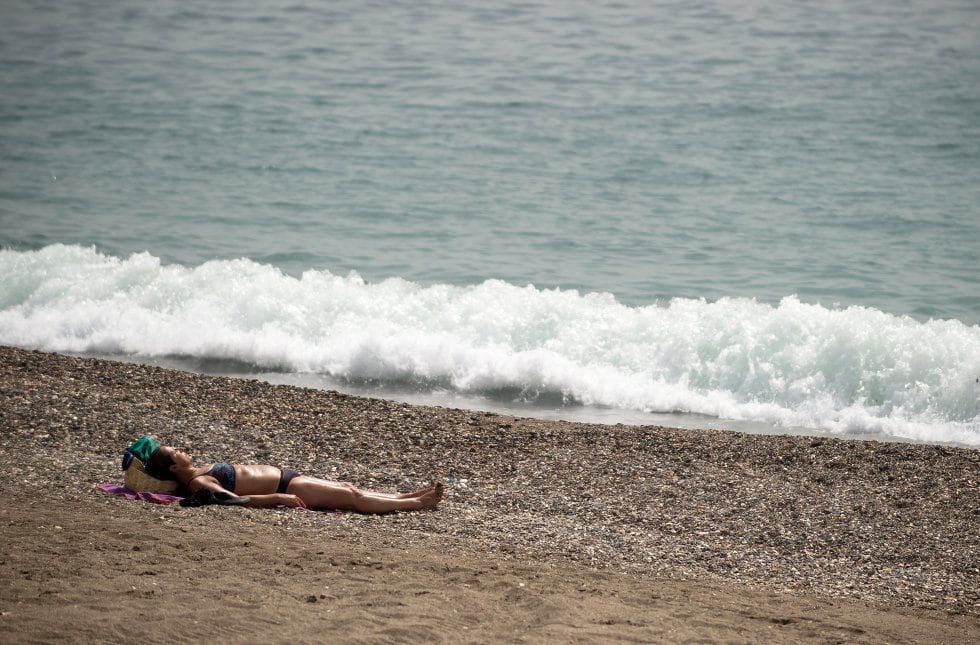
<point>752,215</point>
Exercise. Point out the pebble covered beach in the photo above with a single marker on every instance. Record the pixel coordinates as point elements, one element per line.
<point>893,525</point>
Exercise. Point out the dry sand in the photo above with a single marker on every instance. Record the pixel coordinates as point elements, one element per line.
<point>553,531</point>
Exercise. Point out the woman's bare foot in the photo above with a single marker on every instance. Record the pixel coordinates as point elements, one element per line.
<point>430,498</point>
<point>416,493</point>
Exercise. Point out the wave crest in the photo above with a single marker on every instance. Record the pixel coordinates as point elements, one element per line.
<point>853,370</point>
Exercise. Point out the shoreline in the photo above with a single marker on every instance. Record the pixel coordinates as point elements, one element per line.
<point>889,529</point>
<point>574,413</point>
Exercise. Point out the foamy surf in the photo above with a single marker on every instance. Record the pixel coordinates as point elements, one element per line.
<point>852,371</point>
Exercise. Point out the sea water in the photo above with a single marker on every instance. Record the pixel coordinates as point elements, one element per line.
<point>756,215</point>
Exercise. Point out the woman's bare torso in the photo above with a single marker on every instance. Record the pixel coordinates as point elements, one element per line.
<point>254,479</point>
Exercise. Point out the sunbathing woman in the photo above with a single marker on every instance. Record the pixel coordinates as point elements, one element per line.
<point>268,486</point>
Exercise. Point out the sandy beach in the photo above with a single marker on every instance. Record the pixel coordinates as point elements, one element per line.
<point>550,531</point>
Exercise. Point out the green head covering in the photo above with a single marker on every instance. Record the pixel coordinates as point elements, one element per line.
<point>140,449</point>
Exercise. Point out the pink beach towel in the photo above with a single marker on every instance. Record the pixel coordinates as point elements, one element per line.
<point>154,498</point>
<point>160,498</point>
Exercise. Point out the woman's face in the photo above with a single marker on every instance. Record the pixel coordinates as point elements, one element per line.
<point>179,457</point>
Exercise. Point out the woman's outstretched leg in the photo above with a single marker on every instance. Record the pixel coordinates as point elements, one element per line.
<point>415,493</point>
<point>319,493</point>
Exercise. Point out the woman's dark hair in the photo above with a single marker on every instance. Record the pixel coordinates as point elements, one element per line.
<point>158,465</point>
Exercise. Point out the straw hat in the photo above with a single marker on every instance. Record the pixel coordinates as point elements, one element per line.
<point>137,480</point>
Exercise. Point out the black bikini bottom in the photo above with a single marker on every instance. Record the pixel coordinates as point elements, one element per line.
<point>288,475</point>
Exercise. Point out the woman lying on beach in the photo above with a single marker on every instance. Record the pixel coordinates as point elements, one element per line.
<point>262,486</point>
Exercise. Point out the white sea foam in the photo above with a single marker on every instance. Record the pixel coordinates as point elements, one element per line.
<point>849,371</point>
